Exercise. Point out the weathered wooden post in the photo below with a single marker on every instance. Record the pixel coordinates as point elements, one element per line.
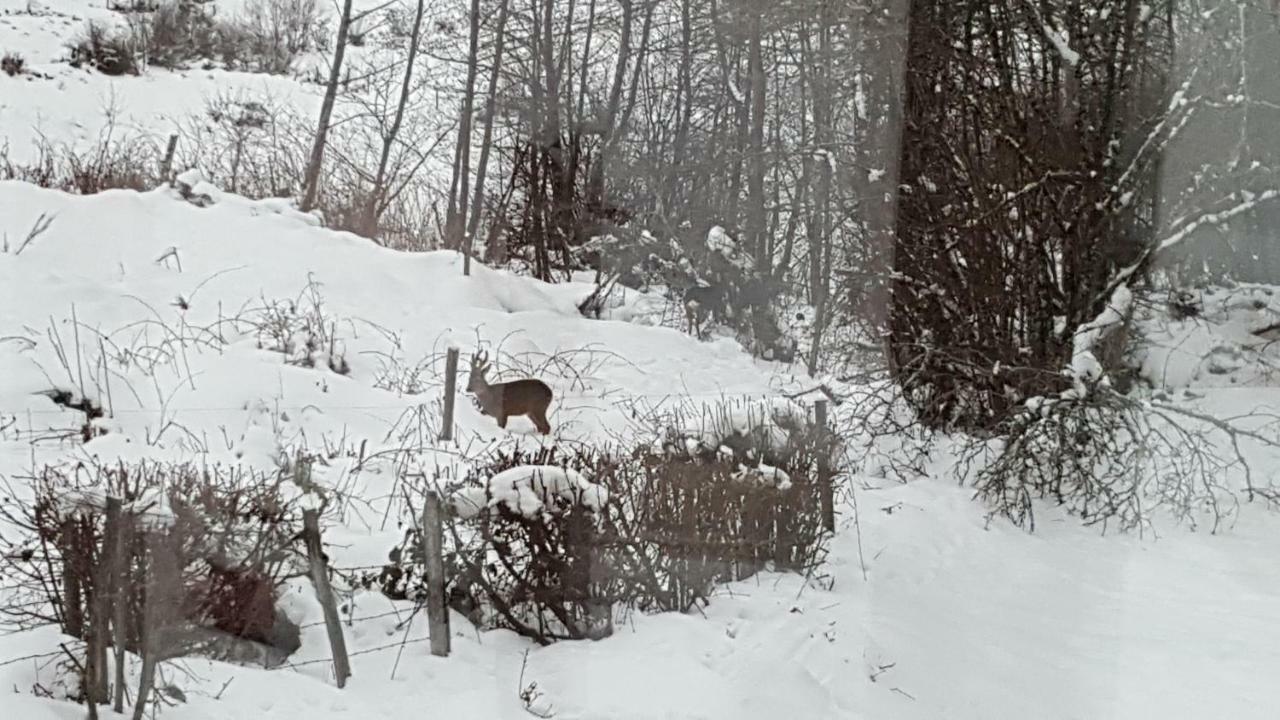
<point>161,612</point>
<point>586,576</point>
<point>103,577</point>
<point>450,392</point>
<point>119,530</point>
<point>324,593</point>
<point>433,558</point>
<point>167,167</point>
<point>72,607</point>
<point>825,489</point>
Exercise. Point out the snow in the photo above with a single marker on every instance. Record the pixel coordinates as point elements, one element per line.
<point>528,490</point>
<point>1230,344</point>
<point>159,310</point>
<point>1062,45</point>
<point>1085,368</point>
<point>956,618</point>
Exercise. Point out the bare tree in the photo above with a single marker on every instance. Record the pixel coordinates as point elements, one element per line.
<point>311,181</point>
<point>377,197</point>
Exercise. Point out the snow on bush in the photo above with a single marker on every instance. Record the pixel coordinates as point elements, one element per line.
<point>749,429</point>
<point>529,490</point>
<point>556,553</point>
<point>1086,368</point>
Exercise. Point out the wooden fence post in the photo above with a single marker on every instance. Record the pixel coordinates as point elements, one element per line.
<point>72,607</point>
<point>103,578</point>
<point>118,571</point>
<point>450,392</point>
<point>324,593</point>
<point>167,167</point>
<point>827,492</point>
<point>433,557</point>
<point>581,537</point>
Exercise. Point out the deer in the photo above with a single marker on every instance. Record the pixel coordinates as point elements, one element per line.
<point>528,397</point>
<point>701,302</point>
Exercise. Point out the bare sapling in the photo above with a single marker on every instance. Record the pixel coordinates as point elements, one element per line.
<point>528,396</point>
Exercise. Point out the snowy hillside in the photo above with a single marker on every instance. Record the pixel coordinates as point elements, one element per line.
<point>157,307</point>
<point>60,104</point>
<point>196,323</point>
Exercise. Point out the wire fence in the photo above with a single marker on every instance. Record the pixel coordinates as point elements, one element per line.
<point>403,615</point>
<point>615,398</point>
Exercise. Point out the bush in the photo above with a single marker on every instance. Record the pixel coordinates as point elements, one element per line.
<point>715,270</point>
<point>110,52</point>
<point>180,31</point>
<point>652,531</point>
<point>1118,462</point>
<point>131,164</point>
<point>301,329</point>
<point>12,64</point>
<point>271,34</point>
<point>267,37</point>
<point>224,535</point>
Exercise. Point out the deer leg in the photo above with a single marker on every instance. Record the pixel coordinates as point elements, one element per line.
<point>539,418</point>
<point>502,420</point>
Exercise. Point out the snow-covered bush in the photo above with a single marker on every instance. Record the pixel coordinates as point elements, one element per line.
<point>553,545</point>
<point>714,271</point>
<point>749,431</point>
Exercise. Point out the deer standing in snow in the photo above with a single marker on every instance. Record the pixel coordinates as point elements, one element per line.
<point>700,303</point>
<point>528,397</point>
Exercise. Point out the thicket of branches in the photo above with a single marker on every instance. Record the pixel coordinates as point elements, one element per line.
<point>676,524</point>
<point>191,562</point>
<point>1034,182</point>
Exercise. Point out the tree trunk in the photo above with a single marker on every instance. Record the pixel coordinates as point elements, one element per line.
<point>378,197</point>
<point>312,179</point>
<point>756,168</point>
<point>490,107</point>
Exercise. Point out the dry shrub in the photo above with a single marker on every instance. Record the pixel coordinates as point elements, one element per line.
<point>229,532</point>
<point>12,64</point>
<point>249,144</point>
<point>110,51</point>
<point>270,34</point>
<point>673,527</point>
<point>301,329</point>
<point>178,32</point>
<point>112,164</point>
<point>1120,463</point>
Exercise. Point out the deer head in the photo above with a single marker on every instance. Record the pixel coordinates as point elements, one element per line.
<point>479,366</point>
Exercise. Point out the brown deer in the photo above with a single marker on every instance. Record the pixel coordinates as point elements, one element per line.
<point>527,397</point>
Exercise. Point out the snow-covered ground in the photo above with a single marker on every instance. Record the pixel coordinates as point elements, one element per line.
<point>955,617</point>
<point>162,311</point>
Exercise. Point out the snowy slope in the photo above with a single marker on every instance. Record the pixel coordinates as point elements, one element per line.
<point>156,309</point>
<point>53,107</point>
<point>954,619</point>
